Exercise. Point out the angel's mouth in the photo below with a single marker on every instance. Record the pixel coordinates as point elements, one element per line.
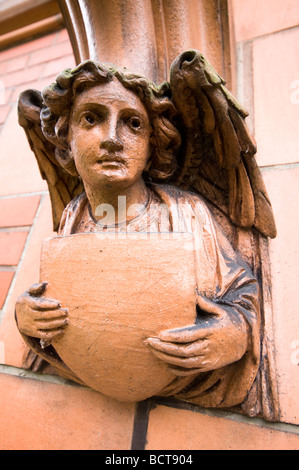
<point>111,160</point>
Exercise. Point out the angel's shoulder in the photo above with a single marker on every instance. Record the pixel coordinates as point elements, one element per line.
<point>72,214</point>
<point>76,203</point>
<point>180,196</point>
<point>186,202</point>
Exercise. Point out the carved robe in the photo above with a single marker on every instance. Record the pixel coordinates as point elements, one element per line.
<point>221,276</point>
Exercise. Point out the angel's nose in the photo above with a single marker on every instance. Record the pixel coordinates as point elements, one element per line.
<point>112,145</point>
<point>111,140</point>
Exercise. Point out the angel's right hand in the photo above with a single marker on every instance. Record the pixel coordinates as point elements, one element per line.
<point>40,317</point>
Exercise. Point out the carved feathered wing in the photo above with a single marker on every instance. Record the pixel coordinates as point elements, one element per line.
<point>218,154</point>
<point>62,186</point>
<point>217,160</point>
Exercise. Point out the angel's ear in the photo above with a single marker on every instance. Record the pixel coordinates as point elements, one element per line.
<point>30,104</point>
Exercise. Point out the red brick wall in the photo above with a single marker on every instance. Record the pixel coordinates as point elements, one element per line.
<point>25,213</point>
<point>16,218</point>
<point>32,65</point>
<point>267,36</point>
<point>45,412</point>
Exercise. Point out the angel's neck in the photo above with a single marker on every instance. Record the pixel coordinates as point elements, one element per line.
<point>117,205</point>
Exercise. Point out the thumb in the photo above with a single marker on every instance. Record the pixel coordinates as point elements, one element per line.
<point>37,289</point>
<point>208,306</point>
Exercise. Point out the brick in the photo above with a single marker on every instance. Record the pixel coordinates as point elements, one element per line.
<point>14,64</point>
<point>171,428</point>
<point>27,274</point>
<point>24,76</point>
<point>19,172</point>
<point>37,415</point>
<point>50,53</point>
<point>283,190</point>
<point>11,247</point>
<point>28,47</point>
<point>276,106</point>
<point>4,112</point>
<point>6,96</point>
<point>2,353</point>
<point>63,36</point>
<point>272,17</point>
<point>5,281</point>
<point>56,66</point>
<point>36,85</point>
<point>18,211</point>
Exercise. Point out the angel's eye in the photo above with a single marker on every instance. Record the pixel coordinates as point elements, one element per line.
<point>90,118</point>
<point>135,123</point>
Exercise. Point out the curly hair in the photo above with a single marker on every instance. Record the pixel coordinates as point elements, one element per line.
<point>59,97</point>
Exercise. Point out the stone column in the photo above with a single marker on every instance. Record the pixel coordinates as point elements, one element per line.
<point>147,35</point>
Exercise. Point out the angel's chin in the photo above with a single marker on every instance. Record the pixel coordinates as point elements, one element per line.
<point>112,176</point>
<point>109,170</point>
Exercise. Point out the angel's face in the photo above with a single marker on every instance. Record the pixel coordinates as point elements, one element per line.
<point>109,135</point>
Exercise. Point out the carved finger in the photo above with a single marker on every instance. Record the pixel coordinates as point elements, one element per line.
<point>185,335</point>
<point>37,289</point>
<point>52,325</point>
<point>197,348</point>
<point>187,363</point>
<point>185,372</point>
<point>208,306</point>
<point>49,315</point>
<point>48,336</point>
<point>40,304</point>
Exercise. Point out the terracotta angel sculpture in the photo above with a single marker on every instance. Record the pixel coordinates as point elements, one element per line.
<point>100,132</point>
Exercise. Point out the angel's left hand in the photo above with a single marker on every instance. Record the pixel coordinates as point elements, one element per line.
<point>219,338</point>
